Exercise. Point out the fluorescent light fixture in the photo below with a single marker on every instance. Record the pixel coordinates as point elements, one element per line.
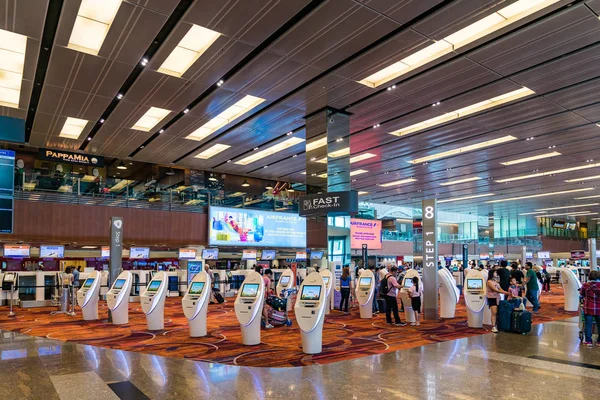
<point>12,62</point>
<point>72,128</point>
<point>195,42</point>
<point>358,172</point>
<point>316,144</point>
<point>362,192</point>
<point>258,155</point>
<point>532,158</point>
<point>465,111</point>
<point>323,176</point>
<point>212,151</point>
<point>93,21</point>
<point>533,196</point>
<point>475,196</point>
<point>465,180</point>
<point>477,30</point>
<point>596,196</point>
<point>587,178</point>
<point>575,214</point>
<point>361,157</point>
<point>396,183</point>
<point>466,149</point>
<point>339,153</point>
<point>556,171</point>
<point>229,115</point>
<point>149,120</point>
<point>564,207</point>
<point>533,213</point>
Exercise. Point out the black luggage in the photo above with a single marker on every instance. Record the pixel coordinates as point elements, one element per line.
<point>505,310</point>
<point>277,303</point>
<point>218,297</point>
<point>521,322</point>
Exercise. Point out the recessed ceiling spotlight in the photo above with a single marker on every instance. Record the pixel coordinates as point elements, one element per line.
<point>551,147</point>
<point>161,131</point>
<point>101,120</point>
<point>228,160</point>
<point>376,126</point>
<point>339,139</point>
<point>295,155</point>
<point>144,61</point>
<point>313,159</point>
<point>220,83</point>
<point>186,111</point>
<point>119,96</point>
<point>266,166</point>
<point>256,148</point>
<point>89,139</point>
<point>289,133</point>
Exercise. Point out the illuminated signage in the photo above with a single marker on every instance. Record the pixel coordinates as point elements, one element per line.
<point>365,231</point>
<point>70,157</point>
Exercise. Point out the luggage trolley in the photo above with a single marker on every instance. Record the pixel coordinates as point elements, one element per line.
<point>278,315</point>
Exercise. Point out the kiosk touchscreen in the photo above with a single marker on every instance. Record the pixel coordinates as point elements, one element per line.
<point>287,281</point>
<point>248,307</point>
<point>475,297</point>
<point>117,298</point>
<point>571,286</point>
<point>365,293</point>
<point>328,280</point>
<point>406,284</point>
<point>88,295</point>
<point>195,304</point>
<point>310,312</point>
<point>153,301</point>
<point>449,294</point>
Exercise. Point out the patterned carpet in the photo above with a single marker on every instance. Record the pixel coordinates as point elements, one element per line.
<point>344,336</point>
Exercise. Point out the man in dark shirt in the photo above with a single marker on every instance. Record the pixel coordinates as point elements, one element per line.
<point>517,273</point>
<point>504,275</point>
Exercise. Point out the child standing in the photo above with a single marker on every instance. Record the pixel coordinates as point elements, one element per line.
<point>415,292</point>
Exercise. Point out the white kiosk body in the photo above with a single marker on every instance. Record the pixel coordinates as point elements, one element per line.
<point>287,280</point>
<point>475,291</point>
<point>88,295</point>
<point>404,294</point>
<point>248,307</point>
<point>571,286</point>
<point>117,298</point>
<point>195,304</point>
<point>328,280</point>
<point>449,294</point>
<point>153,301</point>
<point>310,312</point>
<point>365,293</point>
<point>140,281</point>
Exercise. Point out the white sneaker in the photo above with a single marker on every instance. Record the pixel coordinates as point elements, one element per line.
<point>418,324</point>
<point>413,323</point>
<point>495,330</point>
<point>269,326</point>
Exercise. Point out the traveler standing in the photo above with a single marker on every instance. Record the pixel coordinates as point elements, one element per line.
<point>504,275</point>
<point>590,292</point>
<point>345,282</point>
<point>265,312</point>
<point>76,272</point>
<point>533,287</point>
<point>545,279</point>
<point>390,287</point>
<point>493,295</point>
<point>415,293</point>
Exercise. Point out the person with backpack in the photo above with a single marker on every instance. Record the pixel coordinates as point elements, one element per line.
<point>590,293</point>
<point>389,285</point>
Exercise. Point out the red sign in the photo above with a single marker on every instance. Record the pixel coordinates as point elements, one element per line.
<point>578,255</point>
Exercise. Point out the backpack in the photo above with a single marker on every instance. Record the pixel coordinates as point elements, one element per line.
<point>383,286</point>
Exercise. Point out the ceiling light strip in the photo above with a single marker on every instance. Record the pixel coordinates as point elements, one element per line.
<point>258,155</point>
<point>92,24</point>
<point>533,196</point>
<point>556,171</point>
<point>459,181</point>
<point>397,183</point>
<point>575,214</point>
<point>585,178</point>
<point>72,128</point>
<point>150,119</point>
<point>212,151</point>
<point>565,207</point>
<point>532,158</point>
<point>476,196</point>
<point>12,62</point>
<point>465,149</point>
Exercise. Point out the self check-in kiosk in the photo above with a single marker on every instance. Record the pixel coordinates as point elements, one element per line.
<point>195,304</point>
<point>310,312</point>
<point>9,290</point>
<point>475,297</point>
<point>449,294</point>
<point>153,301</point>
<point>248,307</point>
<point>117,298</point>
<point>140,280</point>
<point>406,284</point>
<point>571,286</point>
<point>328,280</point>
<point>287,280</point>
<point>365,292</point>
<point>88,295</point>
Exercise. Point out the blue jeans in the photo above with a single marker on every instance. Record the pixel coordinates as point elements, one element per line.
<point>589,324</point>
<point>532,296</point>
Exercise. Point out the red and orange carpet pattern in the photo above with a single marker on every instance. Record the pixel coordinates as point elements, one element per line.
<point>344,336</point>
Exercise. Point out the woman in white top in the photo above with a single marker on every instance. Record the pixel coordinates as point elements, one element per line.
<point>415,292</point>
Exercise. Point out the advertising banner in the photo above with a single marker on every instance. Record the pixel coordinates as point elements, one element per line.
<point>235,227</point>
<point>329,203</point>
<point>194,267</point>
<point>365,231</point>
<point>70,157</point>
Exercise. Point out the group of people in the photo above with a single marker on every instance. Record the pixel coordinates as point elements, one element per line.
<point>71,276</point>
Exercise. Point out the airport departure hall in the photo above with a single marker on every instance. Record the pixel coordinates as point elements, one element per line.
<point>299,199</point>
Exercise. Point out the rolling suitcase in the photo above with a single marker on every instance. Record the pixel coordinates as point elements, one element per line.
<point>218,297</point>
<point>521,322</point>
<point>505,310</point>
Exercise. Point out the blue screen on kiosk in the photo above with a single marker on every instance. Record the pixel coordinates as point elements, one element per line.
<point>196,288</point>
<point>119,284</point>
<point>475,284</point>
<point>88,282</point>
<point>249,290</point>
<point>366,281</point>
<point>311,292</point>
<point>154,285</point>
<point>284,280</point>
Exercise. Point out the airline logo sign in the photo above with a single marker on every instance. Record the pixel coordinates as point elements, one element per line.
<point>328,203</point>
<point>70,157</point>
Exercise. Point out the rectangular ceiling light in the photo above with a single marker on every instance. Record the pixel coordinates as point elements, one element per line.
<point>477,30</point>
<point>358,172</point>
<point>149,120</point>
<point>556,171</point>
<point>12,62</point>
<point>575,214</point>
<point>465,111</point>
<point>475,196</point>
<point>587,178</point>
<point>532,213</point>
<point>565,207</point>
<point>195,42</point>
<point>212,151</point>
<point>596,196</point>
<point>72,128</point>
<point>458,181</point>
<point>93,21</point>
<point>339,153</point>
<point>361,157</point>
<point>533,196</point>
<point>532,158</point>
<point>465,149</point>
<point>229,115</point>
<point>316,144</point>
<point>257,155</point>
<point>362,192</point>
<point>323,176</point>
<point>396,183</point>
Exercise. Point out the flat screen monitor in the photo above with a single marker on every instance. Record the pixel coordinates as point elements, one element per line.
<point>571,226</point>
<point>52,251</point>
<point>16,250</point>
<point>196,288</point>
<point>311,292</point>
<point>249,290</point>
<point>139,252</point>
<point>119,284</point>
<point>474,284</point>
<point>301,255</point>
<point>88,282</point>
<point>210,254</point>
<point>408,283</point>
<point>249,255</point>
<point>365,281</point>
<point>326,280</point>
<point>285,280</point>
<point>316,255</point>
<point>153,286</point>
<point>229,274</point>
<point>268,255</point>
<point>105,252</point>
<point>558,224</point>
<point>187,254</point>
<point>9,278</point>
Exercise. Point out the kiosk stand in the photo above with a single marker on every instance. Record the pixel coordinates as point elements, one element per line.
<point>449,294</point>
<point>571,286</point>
<point>153,301</point>
<point>195,304</point>
<point>475,297</point>
<point>365,293</point>
<point>310,312</point>
<point>407,283</point>
<point>287,280</point>
<point>88,295</point>
<point>328,280</point>
<point>117,298</point>
<point>248,307</point>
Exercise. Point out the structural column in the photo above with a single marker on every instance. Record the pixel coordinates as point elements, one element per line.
<point>593,256</point>
<point>430,257</point>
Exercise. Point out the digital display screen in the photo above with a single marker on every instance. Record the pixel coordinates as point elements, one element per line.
<point>119,283</point>
<point>249,255</point>
<point>253,228</point>
<point>474,284</point>
<point>16,250</point>
<point>301,255</point>
<point>311,292</point>
<point>543,254</point>
<point>285,280</point>
<point>365,231</point>
<point>210,254</point>
<point>316,255</point>
<point>571,226</point>
<point>196,288</point>
<point>249,290</point>
<point>408,283</point>
<point>558,224</point>
<point>153,286</point>
<point>187,254</point>
<point>7,182</point>
<point>139,252</point>
<point>326,280</point>
<point>105,252</point>
<point>365,281</point>
<point>52,251</point>
<point>88,282</point>
<point>268,255</point>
